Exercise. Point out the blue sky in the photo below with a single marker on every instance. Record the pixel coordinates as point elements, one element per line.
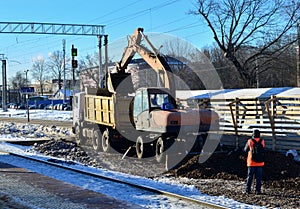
<point>119,17</point>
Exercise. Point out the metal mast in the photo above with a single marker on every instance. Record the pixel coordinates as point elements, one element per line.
<point>51,28</point>
<point>56,29</point>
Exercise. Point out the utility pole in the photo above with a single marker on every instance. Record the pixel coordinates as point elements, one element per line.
<point>27,95</point>
<point>64,67</point>
<point>100,62</point>
<point>4,106</point>
<point>106,60</point>
<point>298,57</point>
<point>257,75</point>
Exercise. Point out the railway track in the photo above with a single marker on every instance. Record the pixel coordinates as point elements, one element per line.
<point>185,200</point>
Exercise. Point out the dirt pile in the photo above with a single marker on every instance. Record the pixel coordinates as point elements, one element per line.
<point>281,178</point>
<point>232,166</point>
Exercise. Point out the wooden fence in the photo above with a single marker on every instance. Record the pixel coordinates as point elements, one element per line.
<point>278,119</point>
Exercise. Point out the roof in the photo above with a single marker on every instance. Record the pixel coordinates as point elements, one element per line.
<point>61,91</point>
<point>262,93</point>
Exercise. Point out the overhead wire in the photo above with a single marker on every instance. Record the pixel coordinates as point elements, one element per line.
<point>128,17</point>
<point>115,11</point>
<point>56,40</point>
<point>117,21</point>
<point>37,39</point>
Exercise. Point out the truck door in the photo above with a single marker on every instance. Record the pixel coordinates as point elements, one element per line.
<point>78,108</point>
<point>141,110</point>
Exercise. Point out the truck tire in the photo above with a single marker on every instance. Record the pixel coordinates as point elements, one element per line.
<point>159,150</point>
<point>106,141</point>
<point>96,141</point>
<point>80,139</point>
<point>139,147</point>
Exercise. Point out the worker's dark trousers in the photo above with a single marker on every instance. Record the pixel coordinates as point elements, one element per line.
<point>257,171</point>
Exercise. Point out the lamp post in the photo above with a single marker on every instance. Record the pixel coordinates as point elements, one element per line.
<point>26,72</point>
<point>26,95</point>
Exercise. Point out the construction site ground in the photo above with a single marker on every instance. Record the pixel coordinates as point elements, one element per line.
<point>223,174</point>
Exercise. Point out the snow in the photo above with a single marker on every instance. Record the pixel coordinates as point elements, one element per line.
<point>294,154</point>
<point>239,93</point>
<point>16,132</point>
<point>39,114</point>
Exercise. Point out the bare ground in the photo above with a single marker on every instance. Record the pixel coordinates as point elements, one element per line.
<point>281,178</point>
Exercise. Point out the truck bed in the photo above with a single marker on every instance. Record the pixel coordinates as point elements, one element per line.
<point>108,110</point>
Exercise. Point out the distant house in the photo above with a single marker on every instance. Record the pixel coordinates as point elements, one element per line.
<point>59,94</point>
<point>47,88</point>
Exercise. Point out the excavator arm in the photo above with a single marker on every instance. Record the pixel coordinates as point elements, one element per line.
<point>156,61</point>
<point>129,52</point>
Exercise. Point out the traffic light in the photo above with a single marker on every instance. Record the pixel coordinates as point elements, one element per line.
<point>74,54</point>
<point>74,51</point>
<point>74,63</point>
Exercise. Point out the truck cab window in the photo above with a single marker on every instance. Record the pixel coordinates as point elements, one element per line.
<point>159,100</point>
<point>145,101</point>
<point>137,109</point>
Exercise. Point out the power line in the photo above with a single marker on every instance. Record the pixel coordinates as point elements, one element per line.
<point>128,17</point>
<point>117,21</point>
<point>114,21</point>
<point>115,11</point>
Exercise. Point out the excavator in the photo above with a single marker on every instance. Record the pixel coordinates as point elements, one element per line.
<point>148,117</point>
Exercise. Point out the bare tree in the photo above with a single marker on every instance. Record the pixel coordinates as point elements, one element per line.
<point>226,71</point>
<point>55,64</point>
<point>39,71</point>
<point>261,24</point>
<point>88,68</point>
<point>193,68</point>
<point>18,80</point>
<point>89,61</point>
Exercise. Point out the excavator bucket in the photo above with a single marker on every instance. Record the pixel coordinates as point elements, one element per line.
<point>121,83</point>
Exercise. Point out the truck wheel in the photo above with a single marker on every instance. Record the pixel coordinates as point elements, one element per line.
<point>159,150</point>
<point>80,139</point>
<point>106,141</point>
<point>96,140</point>
<point>139,147</point>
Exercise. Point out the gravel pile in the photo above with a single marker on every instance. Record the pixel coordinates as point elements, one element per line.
<point>67,150</point>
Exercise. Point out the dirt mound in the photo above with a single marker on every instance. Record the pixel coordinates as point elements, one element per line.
<point>281,178</point>
<point>232,166</point>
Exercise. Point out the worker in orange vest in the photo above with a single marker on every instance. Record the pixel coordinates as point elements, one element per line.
<point>255,160</point>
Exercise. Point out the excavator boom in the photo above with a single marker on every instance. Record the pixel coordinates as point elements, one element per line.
<point>151,56</point>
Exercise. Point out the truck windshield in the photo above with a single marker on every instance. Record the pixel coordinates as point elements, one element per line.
<point>159,100</point>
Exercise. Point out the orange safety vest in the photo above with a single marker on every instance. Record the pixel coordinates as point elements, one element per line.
<point>250,162</point>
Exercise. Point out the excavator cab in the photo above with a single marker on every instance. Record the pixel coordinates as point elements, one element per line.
<point>146,101</point>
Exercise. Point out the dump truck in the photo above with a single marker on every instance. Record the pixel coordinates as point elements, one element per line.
<point>148,118</point>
